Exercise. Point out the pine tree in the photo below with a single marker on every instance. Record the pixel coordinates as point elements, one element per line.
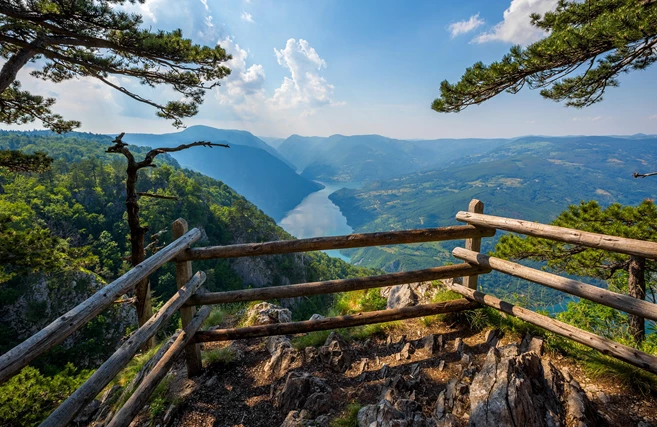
<point>91,38</point>
<point>589,45</point>
<point>638,222</point>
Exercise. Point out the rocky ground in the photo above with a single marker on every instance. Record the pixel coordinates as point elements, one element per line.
<point>411,375</point>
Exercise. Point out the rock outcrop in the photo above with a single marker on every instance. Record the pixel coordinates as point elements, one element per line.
<point>525,390</point>
<point>303,391</point>
<point>266,313</point>
<point>335,354</point>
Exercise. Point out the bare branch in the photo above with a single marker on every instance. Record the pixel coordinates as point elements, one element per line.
<point>153,153</point>
<point>643,175</point>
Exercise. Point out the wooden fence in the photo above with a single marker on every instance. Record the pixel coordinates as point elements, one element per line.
<point>190,297</point>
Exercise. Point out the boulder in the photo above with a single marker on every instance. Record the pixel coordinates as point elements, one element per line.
<point>316,317</point>
<point>304,391</point>
<point>522,389</point>
<point>334,353</point>
<point>265,313</point>
<point>402,296</point>
<point>303,419</point>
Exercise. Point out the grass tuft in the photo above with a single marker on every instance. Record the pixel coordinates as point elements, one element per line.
<point>349,418</point>
<point>221,355</point>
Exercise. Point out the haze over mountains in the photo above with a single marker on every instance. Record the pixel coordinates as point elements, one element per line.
<point>250,166</point>
<point>362,158</point>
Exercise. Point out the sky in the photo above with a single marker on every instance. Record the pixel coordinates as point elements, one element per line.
<point>324,67</point>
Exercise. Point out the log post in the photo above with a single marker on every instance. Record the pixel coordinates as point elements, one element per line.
<point>183,274</point>
<point>636,287</point>
<point>473,244</point>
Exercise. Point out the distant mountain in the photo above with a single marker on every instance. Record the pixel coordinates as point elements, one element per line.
<point>249,166</point>
<point>533,178</point>
<point>362,158</point>
<point>273,141</point>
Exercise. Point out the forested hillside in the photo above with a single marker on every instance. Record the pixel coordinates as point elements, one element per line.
<point>65,233</point>
<point>533,178</point>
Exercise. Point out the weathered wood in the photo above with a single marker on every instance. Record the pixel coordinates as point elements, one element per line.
<point>622,245</point>
<point>183,274</point>
<point>57,331</point>
<point>335,322</point>
<point>473,244</point>
<point>336,242</point>
<point>132,407</point>
<point>601,296</point>
<point>65,413</point>
<point>603,345</point>
<point>333,286</point>
<point>636,288</point>
<point>129,388</point>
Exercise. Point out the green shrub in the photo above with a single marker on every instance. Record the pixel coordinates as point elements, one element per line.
<point>29,397</point>
<point>349,418</point>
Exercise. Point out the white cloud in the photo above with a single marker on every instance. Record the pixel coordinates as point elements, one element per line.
<point>243,90</point>
<point>592,119</point>
<point>247,17</point>
<point>516,27</point>
<point>653,117</point>
<point>462,27</point>
<point>305,88</point>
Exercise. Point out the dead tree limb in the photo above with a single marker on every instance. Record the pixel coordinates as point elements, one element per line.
<point>137,231</point>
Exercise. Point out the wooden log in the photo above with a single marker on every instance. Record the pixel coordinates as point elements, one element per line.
<point>601,296</point>
<point>603,345</point>
<point>18,357</point>
<point>132,407</point>
<point>336,242</point>
<point>81,397</point>
<point>473,244</point>
<point>622,245</point>
<point>328,323</point>
<point>332,286</point>
<point>146,368</point>
<point>183,274</point>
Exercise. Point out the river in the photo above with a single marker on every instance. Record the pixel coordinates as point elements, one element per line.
<point>318,216</point>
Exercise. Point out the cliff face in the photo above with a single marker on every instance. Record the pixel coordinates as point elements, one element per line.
<point>45,297</point>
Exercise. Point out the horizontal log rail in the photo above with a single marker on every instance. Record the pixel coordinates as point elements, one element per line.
<point>132,407</point>
<point>457,232</point>
<point>65,413</point>
<point>624,303</point>
<point>335,322</point>
<point>18,357</point>
<point>333,286</point>
<point>603,345</point>
<point>622,245</point>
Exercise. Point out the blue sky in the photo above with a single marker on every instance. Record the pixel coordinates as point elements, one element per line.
<point>322,67</point>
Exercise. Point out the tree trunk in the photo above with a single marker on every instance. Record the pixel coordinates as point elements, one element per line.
<point>13,65</point>
<point>636,287</point>
<point>137,233</point>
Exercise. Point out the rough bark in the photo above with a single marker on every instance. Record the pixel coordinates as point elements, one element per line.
<point>13,65</point>
<point>636,287</point>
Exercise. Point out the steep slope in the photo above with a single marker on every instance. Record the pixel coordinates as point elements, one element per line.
<point>77,209</point>
<point>371,157</point>
<point>250,166</point>
<point>533,178</point>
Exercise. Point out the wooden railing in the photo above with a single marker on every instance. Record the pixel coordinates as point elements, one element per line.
<point>190,296</point>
